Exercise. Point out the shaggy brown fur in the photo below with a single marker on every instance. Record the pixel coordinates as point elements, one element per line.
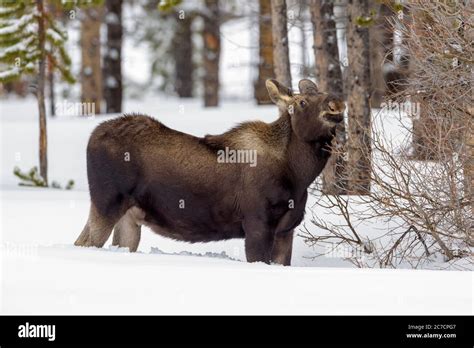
<point>142,172</point>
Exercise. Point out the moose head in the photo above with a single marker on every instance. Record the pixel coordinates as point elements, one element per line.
<point>313,113</point>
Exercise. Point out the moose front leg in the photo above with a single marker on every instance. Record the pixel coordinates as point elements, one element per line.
<point>258,241</point>
<point>282,248</point>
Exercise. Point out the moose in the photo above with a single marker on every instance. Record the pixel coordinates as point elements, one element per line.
<point>141,172</point>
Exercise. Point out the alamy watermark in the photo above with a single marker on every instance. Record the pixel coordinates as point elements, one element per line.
<point>237,156</point>
<point>407,107</point>
<point>28,330</point>
<point>343,251</point>
<point>68,108</point>
<point>18,250</point>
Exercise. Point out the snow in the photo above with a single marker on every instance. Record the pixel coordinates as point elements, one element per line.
<point>54,35</point>
<point>18,47</point>
<point>13,26</point>
<point>43,273</point>
<point>14,71</point>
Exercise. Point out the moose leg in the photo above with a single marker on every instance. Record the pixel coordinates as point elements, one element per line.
<point>83,238</point>
<point>127,231</point>
<point>282,248</point>
<point>97,230</point>
<point>258,241</point>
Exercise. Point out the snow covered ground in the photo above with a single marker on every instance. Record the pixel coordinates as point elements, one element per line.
<point>43,273</point>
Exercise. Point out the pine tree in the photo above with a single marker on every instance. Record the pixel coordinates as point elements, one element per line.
<point>29,36</point>
<point>20,46</point>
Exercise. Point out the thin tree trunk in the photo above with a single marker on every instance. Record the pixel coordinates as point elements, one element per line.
<point>52,99</point>
<point>281,58</point>
<point>113,89</point>
<point>265,52</point>
<point>52,106</point>
<point>359,149</point>
<point>91,73</point>
<point>43,136</point>
<point>329,77</point>
<point>183,57</point>
<point>212,52</point>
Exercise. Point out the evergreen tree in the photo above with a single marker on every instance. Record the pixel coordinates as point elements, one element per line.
<point>29,36</point>
<point>20,48</point>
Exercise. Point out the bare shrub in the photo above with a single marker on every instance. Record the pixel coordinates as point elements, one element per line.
<point>422,153</point>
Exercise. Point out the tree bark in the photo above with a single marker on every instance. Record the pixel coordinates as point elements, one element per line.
<point>91,73</point>
<point>43,136</point>
<point>183,57</point>
<point>265,53</point>
<point>329,77</point>
<point>358,50</point>
<point>52,99</point>
<point>304,43</point>
<point>326,52</point>
<point>281,58</point>
<point>52,105</point>
<point>113,89</point>
<point>212,51</point>
<point>381,50</point>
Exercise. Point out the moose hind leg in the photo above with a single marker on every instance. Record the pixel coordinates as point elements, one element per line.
<point>127,231</point>
<point>84,237</point>
<point>97,230</point>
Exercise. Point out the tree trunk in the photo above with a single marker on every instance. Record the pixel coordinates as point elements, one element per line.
<point>52,105</point>
<point>113,90</point>
<point>381,50</point>
<point>52,99</point>
<point>281,58</point>
<point>326,52</point>
<point>329,77</point>
<point>302,22</point>
<point>425,143</point>
<point>183,57</point>
<point>43,136</point>
<point>385,25</point>
<point>212,51</point>
<point>359,149</point>
<point>91,73</point>
<point>265,52</point>
<point>304,44</point>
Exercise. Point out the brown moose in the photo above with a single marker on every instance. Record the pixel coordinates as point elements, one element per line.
<point>141,172</point>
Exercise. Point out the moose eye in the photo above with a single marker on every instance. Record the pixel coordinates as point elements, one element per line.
<point>303,104</point>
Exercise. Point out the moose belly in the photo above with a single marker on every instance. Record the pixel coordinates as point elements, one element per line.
<point>195,230</point>
<point>193,234</point>
<point>193,218</point>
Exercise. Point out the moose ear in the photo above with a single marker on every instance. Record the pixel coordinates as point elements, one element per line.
<point>308,87</point>
<point>278,93</point>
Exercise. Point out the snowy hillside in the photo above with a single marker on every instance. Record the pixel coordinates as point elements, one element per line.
<point>42,273</point>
